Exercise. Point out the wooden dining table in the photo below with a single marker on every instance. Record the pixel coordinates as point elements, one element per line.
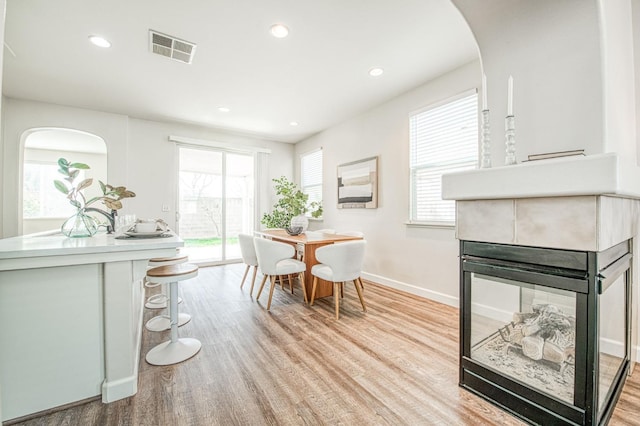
<point>306,245</point>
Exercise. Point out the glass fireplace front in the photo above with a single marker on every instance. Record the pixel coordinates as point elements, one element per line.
<point>542,331</point>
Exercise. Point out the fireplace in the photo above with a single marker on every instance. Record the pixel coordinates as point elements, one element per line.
<point>542,334</point>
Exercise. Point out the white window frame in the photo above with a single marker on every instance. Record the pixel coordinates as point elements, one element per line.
<point>427,156</point>
<point>315,186</point>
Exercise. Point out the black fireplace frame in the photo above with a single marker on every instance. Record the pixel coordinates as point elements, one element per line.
<point>585,273</point>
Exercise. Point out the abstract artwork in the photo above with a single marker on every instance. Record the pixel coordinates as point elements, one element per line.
<point>358,184</point>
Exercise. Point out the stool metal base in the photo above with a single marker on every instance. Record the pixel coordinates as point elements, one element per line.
<point>163,322</point>
<point>168,353</point>
<point>160,304</point>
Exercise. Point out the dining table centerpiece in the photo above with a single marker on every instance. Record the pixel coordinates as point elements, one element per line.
<point>81,223</point>
<point>291,207</point>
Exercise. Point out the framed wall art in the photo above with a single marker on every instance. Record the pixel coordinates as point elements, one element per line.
<point>358,184</point>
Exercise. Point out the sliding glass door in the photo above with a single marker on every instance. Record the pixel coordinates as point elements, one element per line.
<point>216,202</point>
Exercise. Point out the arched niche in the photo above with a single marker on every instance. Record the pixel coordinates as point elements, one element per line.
<point>43,207</point>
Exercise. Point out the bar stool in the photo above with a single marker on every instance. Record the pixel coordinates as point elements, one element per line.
<point>162,322</point>
<point>159,301</point>
<point>177,349</point>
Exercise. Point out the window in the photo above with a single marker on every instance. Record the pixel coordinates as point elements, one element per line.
<point>40,198</point>
<point>311,175</point>
<point>443,138</point>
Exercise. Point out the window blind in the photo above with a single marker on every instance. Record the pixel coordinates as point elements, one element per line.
<point>311,175</point>
<point>443,139</point>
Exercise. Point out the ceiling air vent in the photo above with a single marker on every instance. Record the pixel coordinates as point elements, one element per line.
<point>171,47</point>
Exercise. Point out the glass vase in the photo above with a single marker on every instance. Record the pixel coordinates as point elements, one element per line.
<point>79,225</point>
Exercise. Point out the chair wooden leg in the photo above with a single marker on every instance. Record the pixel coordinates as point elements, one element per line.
<point>290,278</point>
<point>336,297</point>
<point>264,279</point>
<point>341,290</point>
<point>253,280</point>
<point>361,283</point>
<point>359,290</point>
<point>304,289</point>
<point>313,290</point>
<point>246,271</point>
<point>273,285</point>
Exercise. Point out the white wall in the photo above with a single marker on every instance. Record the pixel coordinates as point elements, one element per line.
<point>423,261</point>
<point>552,50</point>
<point>140,156</point>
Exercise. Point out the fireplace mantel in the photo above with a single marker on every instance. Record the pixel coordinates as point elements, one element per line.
<point>577,175</point>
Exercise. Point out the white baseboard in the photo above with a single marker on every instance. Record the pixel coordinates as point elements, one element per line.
<point>118,389</point>
<point>409,288</point>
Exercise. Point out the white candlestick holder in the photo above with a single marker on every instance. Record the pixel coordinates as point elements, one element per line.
<point>510,135</point>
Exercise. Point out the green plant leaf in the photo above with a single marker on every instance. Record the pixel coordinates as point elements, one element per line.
<point>75,203</point>
<point>79,166</point>
<point>63,163</point>
<point>103,188</point>
<point>60,186</point>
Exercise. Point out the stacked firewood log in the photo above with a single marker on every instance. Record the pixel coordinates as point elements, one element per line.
<point>546,333</point>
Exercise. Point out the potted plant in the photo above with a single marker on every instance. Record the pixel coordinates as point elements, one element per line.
<point>291,207</point>
<point>81,224</point>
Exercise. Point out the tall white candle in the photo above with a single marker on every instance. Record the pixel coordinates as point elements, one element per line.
<point>484,93</point>
<point>510,96</point>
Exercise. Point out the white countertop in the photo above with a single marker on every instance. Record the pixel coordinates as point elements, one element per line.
<point>597,174</point>
<point>55,244</point>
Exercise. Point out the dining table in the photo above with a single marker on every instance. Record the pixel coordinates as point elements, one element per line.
<point>306,245</point>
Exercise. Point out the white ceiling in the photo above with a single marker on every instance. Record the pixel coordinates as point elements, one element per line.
<point>318,76</point>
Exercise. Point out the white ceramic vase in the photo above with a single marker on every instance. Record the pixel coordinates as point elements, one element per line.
<point>300,220</point>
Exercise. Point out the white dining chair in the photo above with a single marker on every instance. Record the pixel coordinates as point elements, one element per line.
<point>339,263</point>
<point>353,234</point>
<point>248,252</point>
<point>276,259</point>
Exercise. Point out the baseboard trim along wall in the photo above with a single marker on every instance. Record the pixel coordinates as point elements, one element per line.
<point>409,288</point>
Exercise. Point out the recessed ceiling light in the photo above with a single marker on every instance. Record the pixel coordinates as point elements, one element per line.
<point>279,31</point>
<point>293,123</point>
<point>375,72</point>
<point>99,41</point>
<point>223,109</point>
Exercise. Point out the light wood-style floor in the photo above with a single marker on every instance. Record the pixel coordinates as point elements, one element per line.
<point>395,365</point>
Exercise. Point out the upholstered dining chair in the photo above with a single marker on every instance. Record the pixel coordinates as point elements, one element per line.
<point>353,234</point>
<point>276,259</point>
<point>248,252</point>
<point>339,263</point>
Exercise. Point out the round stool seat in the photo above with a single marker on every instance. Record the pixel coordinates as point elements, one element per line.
<point>172,273</point>
<point>159,301</point>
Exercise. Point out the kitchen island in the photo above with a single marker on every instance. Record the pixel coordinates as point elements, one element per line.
<point>71,318</point>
